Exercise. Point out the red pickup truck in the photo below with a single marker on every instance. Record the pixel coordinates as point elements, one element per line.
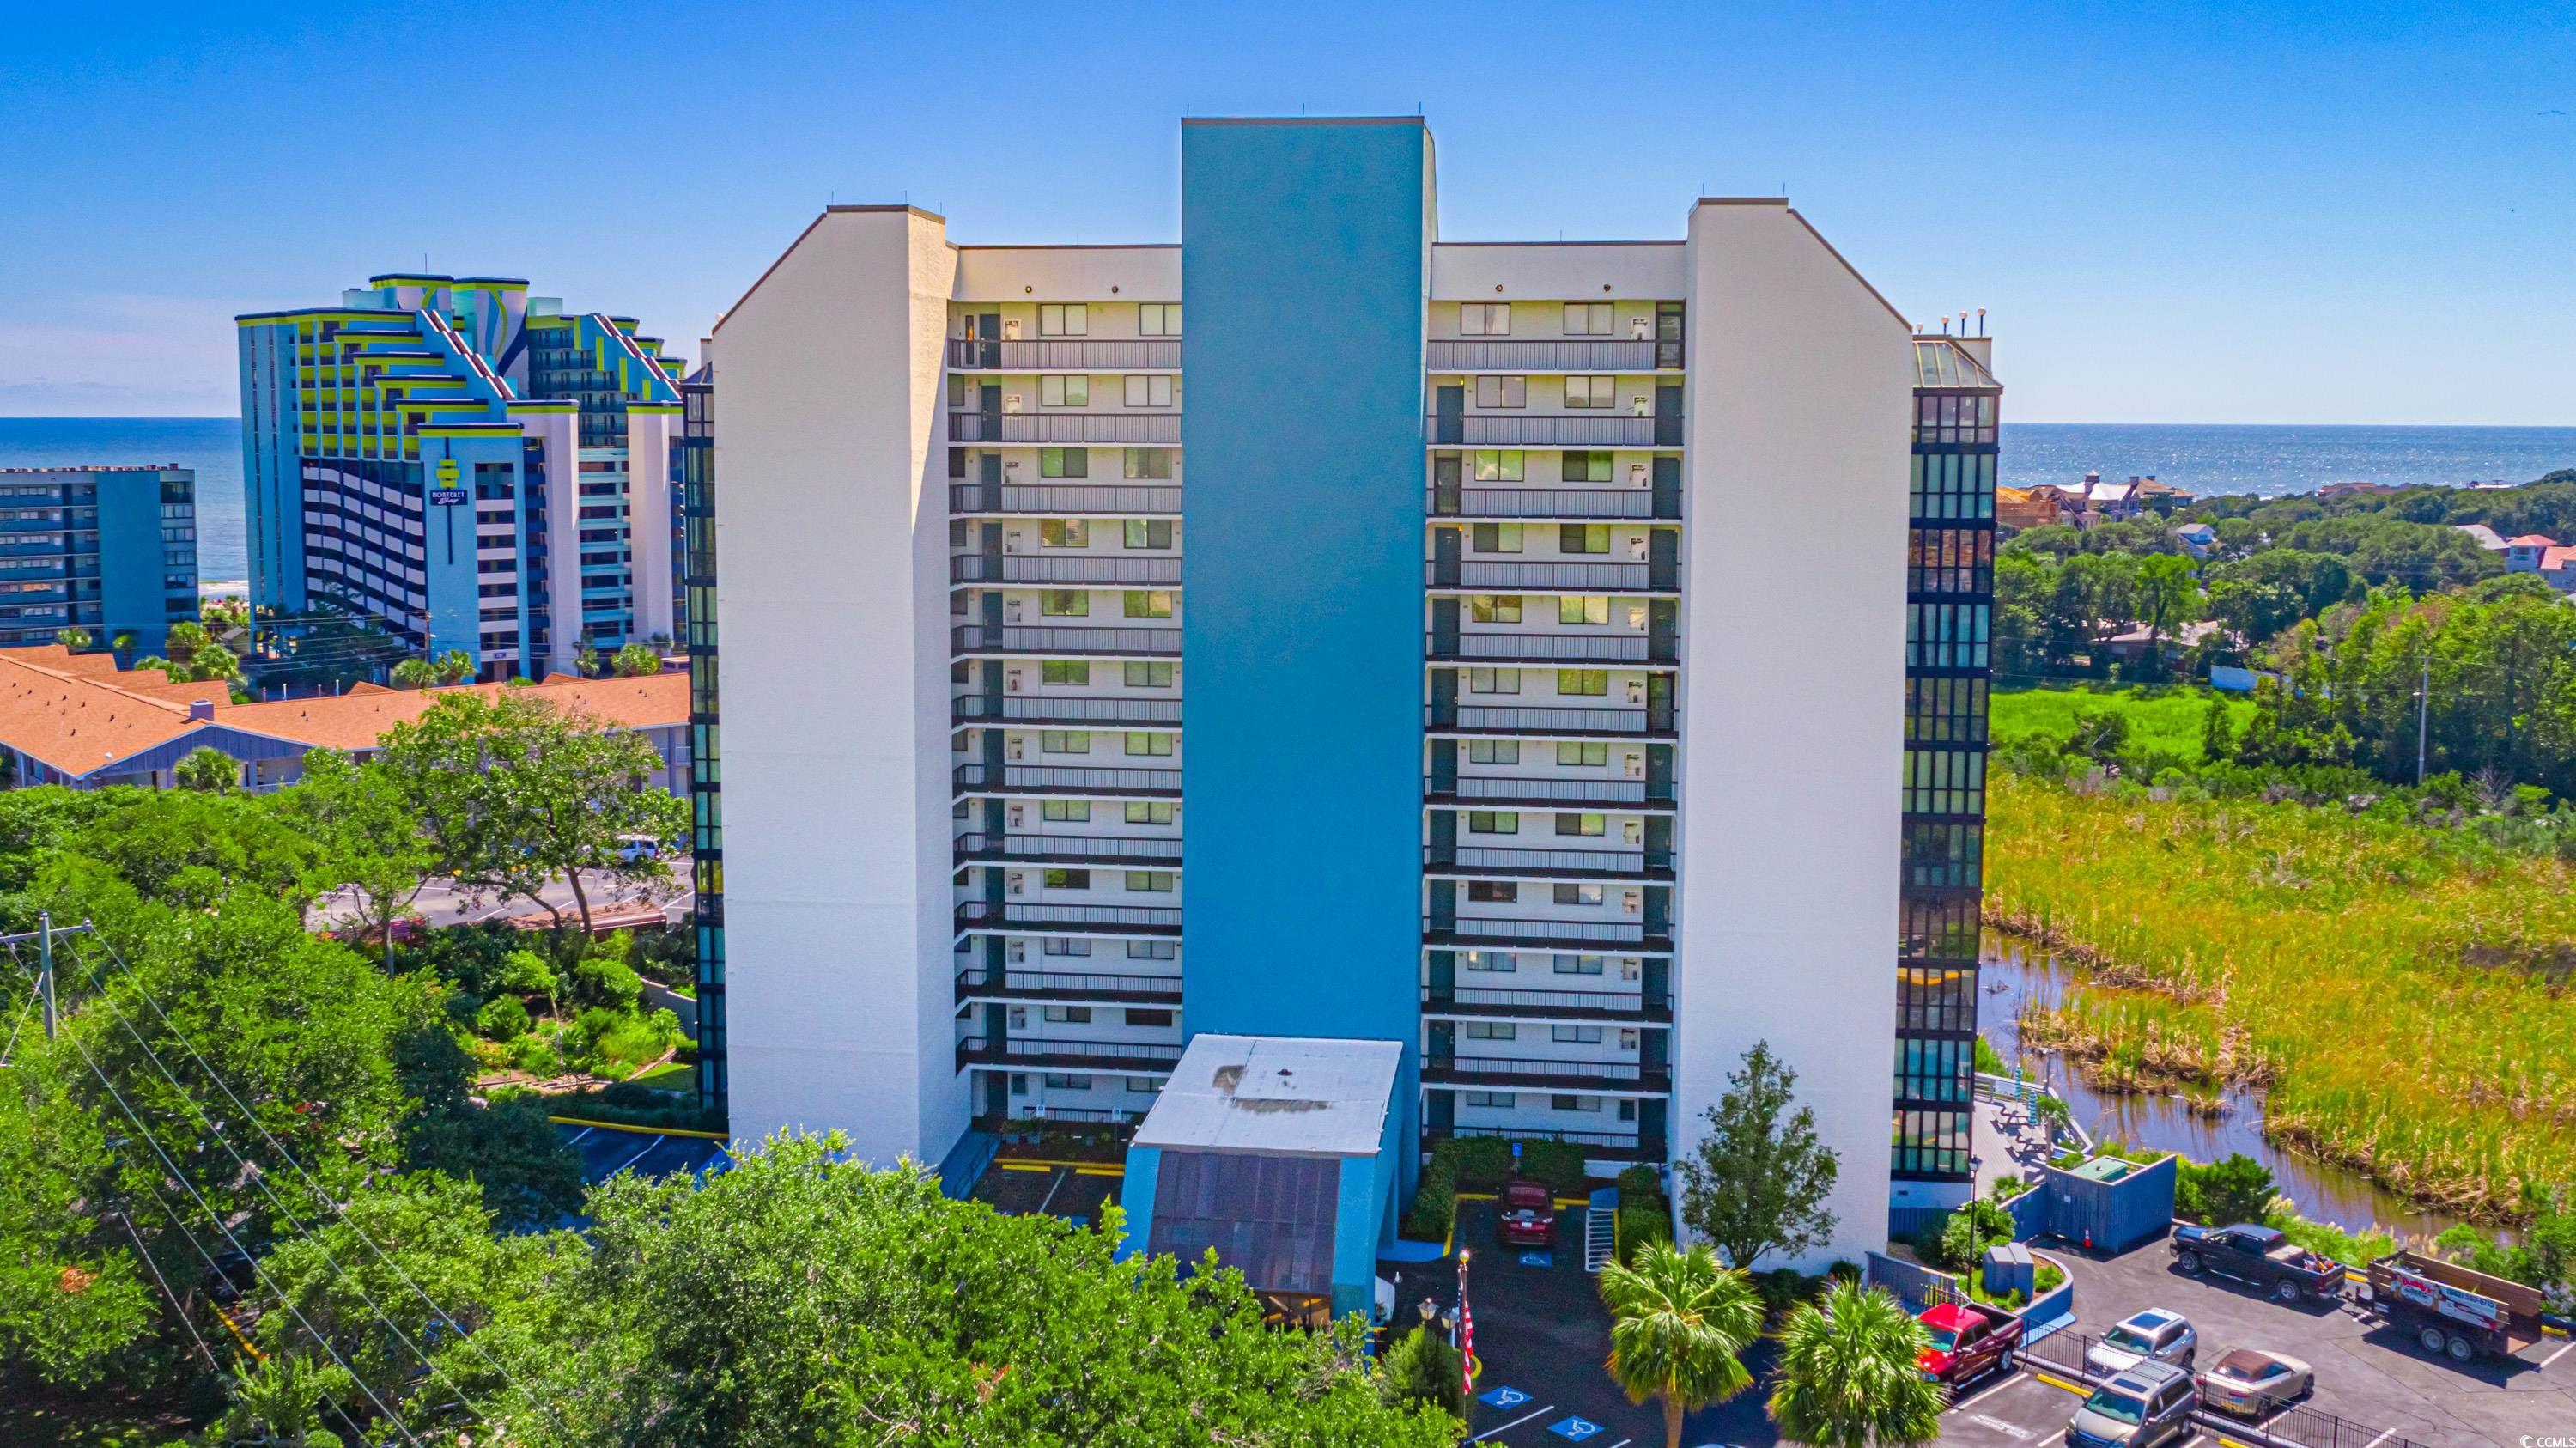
<point>1967,1343</point>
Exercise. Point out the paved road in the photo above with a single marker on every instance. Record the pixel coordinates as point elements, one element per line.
<point>441,903</point>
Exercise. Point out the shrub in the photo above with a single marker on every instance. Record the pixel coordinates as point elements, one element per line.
<point>1483,1162</point>
<point>1642,1223</point>
<point>1435,1199</point>
<point>1557,1163</point>
<point>1640,1180</point>
<point>535,1055</point>
<point>602,981</point>
<point>1966,1234</point>
<point>501,1018</point>
<point>2238,1189</point>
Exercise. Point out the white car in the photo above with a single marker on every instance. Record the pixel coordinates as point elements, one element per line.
<point>2150,1336</point>
<point>2250,1382</point>
<point>631,848</point>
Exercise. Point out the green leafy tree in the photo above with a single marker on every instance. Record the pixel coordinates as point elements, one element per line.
<point>190,849</point>
<point>372,843</point>
<point>587,661</point>
<point>1848,1377</point>
<point>2217,735</point>
<point>2166,593</point>
<point>415,674</point>
<point>123,642</point>
<point>1759,1179</point>
<point>286,1400</point>
<point>515,792</point>
<point>1422,1368</point>
<point>2235,1189</point>
<point>636,661</point>
<point>74,638</point>
<point>207,770</point>
<point>1679,1325</point>
<point>800,1298</point>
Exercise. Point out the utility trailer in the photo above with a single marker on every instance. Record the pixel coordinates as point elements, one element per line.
<point>2451,1309</point>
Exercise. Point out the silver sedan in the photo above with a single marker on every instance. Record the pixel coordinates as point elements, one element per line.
<point>2250,1382</point>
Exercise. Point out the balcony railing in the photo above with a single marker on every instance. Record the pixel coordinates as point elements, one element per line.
<point>1139,1056</point>
<point>1572,355</point>
<point>1151,354</point>
<point>1586,577</point>
<point>1488,930</point>
<point>1497,719</point>
<point>1608,1146</point>
<point>1489,860</point>
<point>1056,779</point>
<point>1062,709</point>
<point>1022,568</point>
<point>1050,639</point>
<point>1605,648</point>
<point>982,982</point>
<point>1521,789</point>
<point>1065,500</point>
<point>1484,1001</point>
<point>1528,1071</point>
<point>1553,503</point>
<point>1069,849</point>
<point>1110,427</point>
<point>1109,919</point>
<point>1575,429</point>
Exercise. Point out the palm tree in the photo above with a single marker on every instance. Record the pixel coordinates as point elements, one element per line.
<point>1848,1377</point>
<point>1678,1320</point>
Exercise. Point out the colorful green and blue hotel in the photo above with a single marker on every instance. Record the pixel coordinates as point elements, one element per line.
<point>473,467</point>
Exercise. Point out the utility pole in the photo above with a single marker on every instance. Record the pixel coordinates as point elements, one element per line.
<point>2423,712</point>
<point>45,971</point>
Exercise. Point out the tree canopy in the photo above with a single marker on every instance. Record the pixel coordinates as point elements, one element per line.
<point>1759,1179</point>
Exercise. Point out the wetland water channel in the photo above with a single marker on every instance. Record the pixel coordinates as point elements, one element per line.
<point>2015,970</point>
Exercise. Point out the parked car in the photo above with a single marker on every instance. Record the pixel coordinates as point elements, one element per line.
<point>2251,1382</point>
<point>2154,1335</point>
<point>2147,1405</point>
<point>1967,1342</point>
<point>631,848</point>
<point>1526,1215</point>
<point>2261,1256</point>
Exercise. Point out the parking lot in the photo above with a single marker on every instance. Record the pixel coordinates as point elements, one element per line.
<point>1542,1335</point>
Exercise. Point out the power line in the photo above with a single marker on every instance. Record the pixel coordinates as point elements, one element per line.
<point>260,1178</point>
<point>176,1310</point>
<point>339,1212</point>
<point>216,1218</point>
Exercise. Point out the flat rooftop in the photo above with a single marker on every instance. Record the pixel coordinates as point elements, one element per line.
<point>1276,1095</point>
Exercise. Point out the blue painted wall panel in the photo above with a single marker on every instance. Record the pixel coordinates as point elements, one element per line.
<point>131,596</point>
<point>1305,254</point>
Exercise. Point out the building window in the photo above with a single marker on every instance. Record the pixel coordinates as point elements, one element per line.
<point>1493,892</point>
<point>1485,319</point>
<point>1578,894</point>
<point>1574,1103</point>
<point>1584,467</point>
<point>1582,537</point>
<point>1143,675</point>
<point>1149,390</point>
<point>1495,607</point>
<point>1501,962</point>
<point>1575,1035</point>
<point>1065,811</point>
<point>1058,391</point>
<point>1499,1100</point>
<point>1064,533</point>
<point>1158,319</point>
<point>1499,466</point>
<point>1143,1083</point>
<point>1064,462</point>
<point>1068,945</point>
<point>1153,950</point>
<point>1494,751</point>
<point>1064,741</point>
<point>1578,965</point>
<point>1502,392</point>
<point>1583,682</point>
<point>1066,879</point>
<point>1149,462</point>
<point>1062,1081</point>
<point>1064,602</point>
<point>1497,537</point>
<point>1493,681</point>
<point>1148,1018</point>
<point>1155,603</point>
<point>1580,824</point>
<point>1149,811</point>
<point>1064,319</point>
<point>1069,672</point>
<point>1577,753</point>
<point>1149,532</point>
<point>1591,392</point>
<point>1140,742</point>
<point>1491,1031</point>
<point>1587,319</point>
<point>1150,882</point>
<point>1493,822</point>
<point>1583,608</point>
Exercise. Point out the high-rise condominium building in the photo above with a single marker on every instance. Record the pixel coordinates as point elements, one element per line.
<point>1322,629</point>
<point>110,550</point>
<point>468,464</point>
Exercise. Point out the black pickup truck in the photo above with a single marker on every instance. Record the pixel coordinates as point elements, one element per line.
<point>2258,1255</point>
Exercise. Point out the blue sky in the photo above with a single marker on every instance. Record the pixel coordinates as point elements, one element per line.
<point>2175,212</point>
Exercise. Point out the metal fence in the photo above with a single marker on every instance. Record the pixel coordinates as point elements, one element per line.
<point>2298,1426</point>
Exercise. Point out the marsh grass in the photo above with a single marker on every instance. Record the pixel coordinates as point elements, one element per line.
<point>2400,993</point>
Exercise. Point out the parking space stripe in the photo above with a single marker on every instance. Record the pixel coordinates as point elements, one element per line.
<point>1998,1385</point>
<point>2562,1352</point>
<point>2382,1438</point>
<point>1516,1422</point>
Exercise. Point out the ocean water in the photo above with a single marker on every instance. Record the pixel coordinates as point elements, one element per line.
<point>211,445</point>
<point>2206,459</point>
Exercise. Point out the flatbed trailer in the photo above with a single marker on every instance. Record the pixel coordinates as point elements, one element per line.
<point>2451,1309</point>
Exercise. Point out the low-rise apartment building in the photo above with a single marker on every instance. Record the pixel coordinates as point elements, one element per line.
<point>111,551</point>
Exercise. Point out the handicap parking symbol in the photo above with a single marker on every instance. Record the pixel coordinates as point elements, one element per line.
<point>1503,1398</point>
<point>1538,1259</point>
<point>1575,1429</point>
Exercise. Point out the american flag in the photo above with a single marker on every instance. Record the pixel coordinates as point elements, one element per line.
<point>1466,1345</point>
